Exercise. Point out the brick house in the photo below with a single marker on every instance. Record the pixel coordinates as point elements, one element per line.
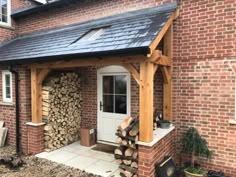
<point>198,62</point>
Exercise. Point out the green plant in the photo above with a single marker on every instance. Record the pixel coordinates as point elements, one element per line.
<point>196,146</point>
<point>194,170</point>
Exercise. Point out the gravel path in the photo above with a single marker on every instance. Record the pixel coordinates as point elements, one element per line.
<point>36,167</point>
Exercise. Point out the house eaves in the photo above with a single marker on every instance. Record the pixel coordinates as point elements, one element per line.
<point>37,7</point>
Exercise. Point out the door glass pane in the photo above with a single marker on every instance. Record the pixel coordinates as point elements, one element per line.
<point>108,103</point>
<point>108,84</point>
<point>121,104</point>
<point>120,84</point>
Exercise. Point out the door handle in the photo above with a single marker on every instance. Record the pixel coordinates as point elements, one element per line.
<point>101,105</point>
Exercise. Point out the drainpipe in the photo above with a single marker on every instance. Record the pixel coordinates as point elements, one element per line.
<point>17,108</point>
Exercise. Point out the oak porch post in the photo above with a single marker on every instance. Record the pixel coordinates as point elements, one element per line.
<point>167,71</point>
<point>37,77</point>
<point>146,101</point>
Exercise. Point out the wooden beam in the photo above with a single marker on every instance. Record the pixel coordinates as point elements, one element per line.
<point>167,72</point>
<point>146,101</point>
<point>37,77</point>
<point>161,34</point>
<point>35,97</point>
<point>115,60</point>
<point>156,56</point>
<point>133,71</point>
<point>164,61</point>
<point>159,59</point>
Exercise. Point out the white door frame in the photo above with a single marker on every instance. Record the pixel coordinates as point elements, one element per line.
<point>110,70</point>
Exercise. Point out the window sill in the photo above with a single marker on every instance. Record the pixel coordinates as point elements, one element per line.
<point>232,122</point>
<point>158,134</point>
<point>6,104</point>
<point>7,26</point>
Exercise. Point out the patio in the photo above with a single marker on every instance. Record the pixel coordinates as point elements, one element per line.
<point>84,158</point>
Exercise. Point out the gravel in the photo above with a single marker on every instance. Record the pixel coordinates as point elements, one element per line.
<point>37,167</point>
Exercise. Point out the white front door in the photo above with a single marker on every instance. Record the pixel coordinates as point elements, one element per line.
<point>113,101</point>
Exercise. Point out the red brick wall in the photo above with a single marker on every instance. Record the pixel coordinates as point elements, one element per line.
<point>7,33</point>
<point>204,84</point>
<point>36,139</point>
<point>89,97</point>
<point>149,156</point>
<point>7,112</point>
<point>83,11</point>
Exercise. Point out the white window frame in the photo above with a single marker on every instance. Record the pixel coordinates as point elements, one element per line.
<point>4,98</point>
<point>8,23</point>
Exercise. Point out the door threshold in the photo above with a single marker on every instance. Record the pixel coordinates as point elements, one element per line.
<point>108,143</point>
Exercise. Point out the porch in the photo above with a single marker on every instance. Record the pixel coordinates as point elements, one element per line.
<point>138,43</point>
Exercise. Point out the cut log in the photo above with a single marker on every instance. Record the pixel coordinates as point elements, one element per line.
<point>120,150</point>
<point>129,152</point>
<point>134,139</point>
<point>135,155</point>
<point>135,129</point>
<point>124,142</point>
<point>125,123</point>
<point>119,140</point>
<point>126,173</point>
<point>128,168</point>
<point>134,165</point>
<point>125,158</point>
<point>127,162</point>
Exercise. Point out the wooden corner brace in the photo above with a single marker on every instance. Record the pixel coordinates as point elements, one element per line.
<point>166,74</point>
<point>133,71</point>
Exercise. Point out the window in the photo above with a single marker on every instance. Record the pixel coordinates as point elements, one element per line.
<point>6,86</point>
<point>115,94</point>
<point>5,9</point>
<point>92,35</point>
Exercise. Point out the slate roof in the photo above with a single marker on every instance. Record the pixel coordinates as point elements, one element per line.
<point>133,31</point>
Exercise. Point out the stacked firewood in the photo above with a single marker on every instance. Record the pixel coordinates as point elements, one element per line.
<point>127,153</point>
<point>61,110</point>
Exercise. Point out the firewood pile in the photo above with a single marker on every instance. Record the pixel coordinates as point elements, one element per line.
<point>127,153</point>
<point>62,99</point>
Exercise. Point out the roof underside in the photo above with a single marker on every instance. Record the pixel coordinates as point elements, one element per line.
<point>133,31</point>
<point>38,7</point>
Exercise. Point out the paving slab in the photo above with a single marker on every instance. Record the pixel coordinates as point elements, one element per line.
<point>84,158</point>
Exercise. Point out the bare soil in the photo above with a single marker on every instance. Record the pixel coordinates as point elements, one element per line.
<point>37,167</point>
